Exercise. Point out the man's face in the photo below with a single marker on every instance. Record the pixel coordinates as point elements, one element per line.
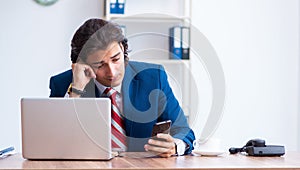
<point>108,65</point>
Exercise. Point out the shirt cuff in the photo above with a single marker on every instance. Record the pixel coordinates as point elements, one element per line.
<point>181,146</point>
<point>67,95</point>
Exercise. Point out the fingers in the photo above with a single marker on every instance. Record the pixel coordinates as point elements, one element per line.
<point>164,147</point>
<point>163,144</point>
<point>166,155</point>
<point>89,72</point>
<point>162,152</point>
<point>159,149</point>
<point>82,73</point>
<point>167,137</point>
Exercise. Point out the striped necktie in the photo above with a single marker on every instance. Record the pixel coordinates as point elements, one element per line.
<point>118,137</point>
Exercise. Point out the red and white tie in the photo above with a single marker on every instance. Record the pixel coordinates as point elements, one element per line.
<point>118,137</point>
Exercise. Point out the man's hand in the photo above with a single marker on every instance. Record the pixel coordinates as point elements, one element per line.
<point>82,74</point>
<point>164,148</point>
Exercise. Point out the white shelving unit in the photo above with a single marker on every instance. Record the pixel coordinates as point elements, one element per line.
<point>147,25</point>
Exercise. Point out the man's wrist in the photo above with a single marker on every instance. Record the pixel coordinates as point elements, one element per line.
<point>180,147</point>
<point>75,92</point>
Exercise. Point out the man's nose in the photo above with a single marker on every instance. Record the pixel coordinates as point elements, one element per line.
<point>110,70</point>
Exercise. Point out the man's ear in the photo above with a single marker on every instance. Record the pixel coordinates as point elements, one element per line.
<point>121,45</point>
<point>73,65</point>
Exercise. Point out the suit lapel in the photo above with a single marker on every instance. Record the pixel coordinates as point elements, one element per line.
<point>129,86</point>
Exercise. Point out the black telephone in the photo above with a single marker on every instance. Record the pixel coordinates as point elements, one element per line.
<point>258,147</point>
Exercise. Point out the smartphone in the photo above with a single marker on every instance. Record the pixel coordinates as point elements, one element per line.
<point>161,127</point>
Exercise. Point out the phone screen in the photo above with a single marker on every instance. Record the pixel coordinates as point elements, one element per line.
<point>161,127</point>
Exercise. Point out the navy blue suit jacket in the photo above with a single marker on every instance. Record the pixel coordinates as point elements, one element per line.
<point>147,99</point>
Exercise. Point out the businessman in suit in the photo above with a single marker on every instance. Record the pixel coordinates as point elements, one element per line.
<point>99,57</point>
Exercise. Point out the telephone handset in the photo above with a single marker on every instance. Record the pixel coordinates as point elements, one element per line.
<point>258,147</point>
<point>256,143</point>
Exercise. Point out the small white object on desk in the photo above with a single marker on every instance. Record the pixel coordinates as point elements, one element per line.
<point>211,147</point>
<point>7,152</point>
<point>207,153</point>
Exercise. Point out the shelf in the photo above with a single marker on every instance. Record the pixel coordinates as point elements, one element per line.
<point>147,17</point>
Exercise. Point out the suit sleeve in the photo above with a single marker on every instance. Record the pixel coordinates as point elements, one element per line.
<point>59,84</point>
<point>52,88</point>
<point>172,110</point>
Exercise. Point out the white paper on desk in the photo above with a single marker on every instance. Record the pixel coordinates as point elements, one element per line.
<point>7,154</point>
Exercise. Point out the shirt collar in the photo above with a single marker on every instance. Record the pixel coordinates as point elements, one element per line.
<point>101,87</point>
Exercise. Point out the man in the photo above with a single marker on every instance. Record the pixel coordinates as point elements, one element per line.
<point>100,60</point>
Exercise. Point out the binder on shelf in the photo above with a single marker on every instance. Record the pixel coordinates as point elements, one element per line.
<point>185,43</point>
<point>117,6</point>
<point>175,43</point>
<point>121,6</point>
<point>179,42</point>
<point>113,6</point>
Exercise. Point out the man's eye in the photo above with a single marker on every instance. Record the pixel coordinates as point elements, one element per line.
<point>97,66</point>
<point>115,59</point>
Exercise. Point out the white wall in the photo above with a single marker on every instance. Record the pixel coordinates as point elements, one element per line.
<point>257,42</point>
<point>34,44</point>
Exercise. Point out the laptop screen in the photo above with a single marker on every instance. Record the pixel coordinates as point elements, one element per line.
<point>66,128</point>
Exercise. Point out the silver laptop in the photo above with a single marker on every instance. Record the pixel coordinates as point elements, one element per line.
<point>66,128</point>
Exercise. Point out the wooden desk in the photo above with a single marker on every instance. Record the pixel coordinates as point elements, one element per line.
<point>289,161</point>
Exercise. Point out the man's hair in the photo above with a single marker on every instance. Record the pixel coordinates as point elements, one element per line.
<point>94,35</point>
